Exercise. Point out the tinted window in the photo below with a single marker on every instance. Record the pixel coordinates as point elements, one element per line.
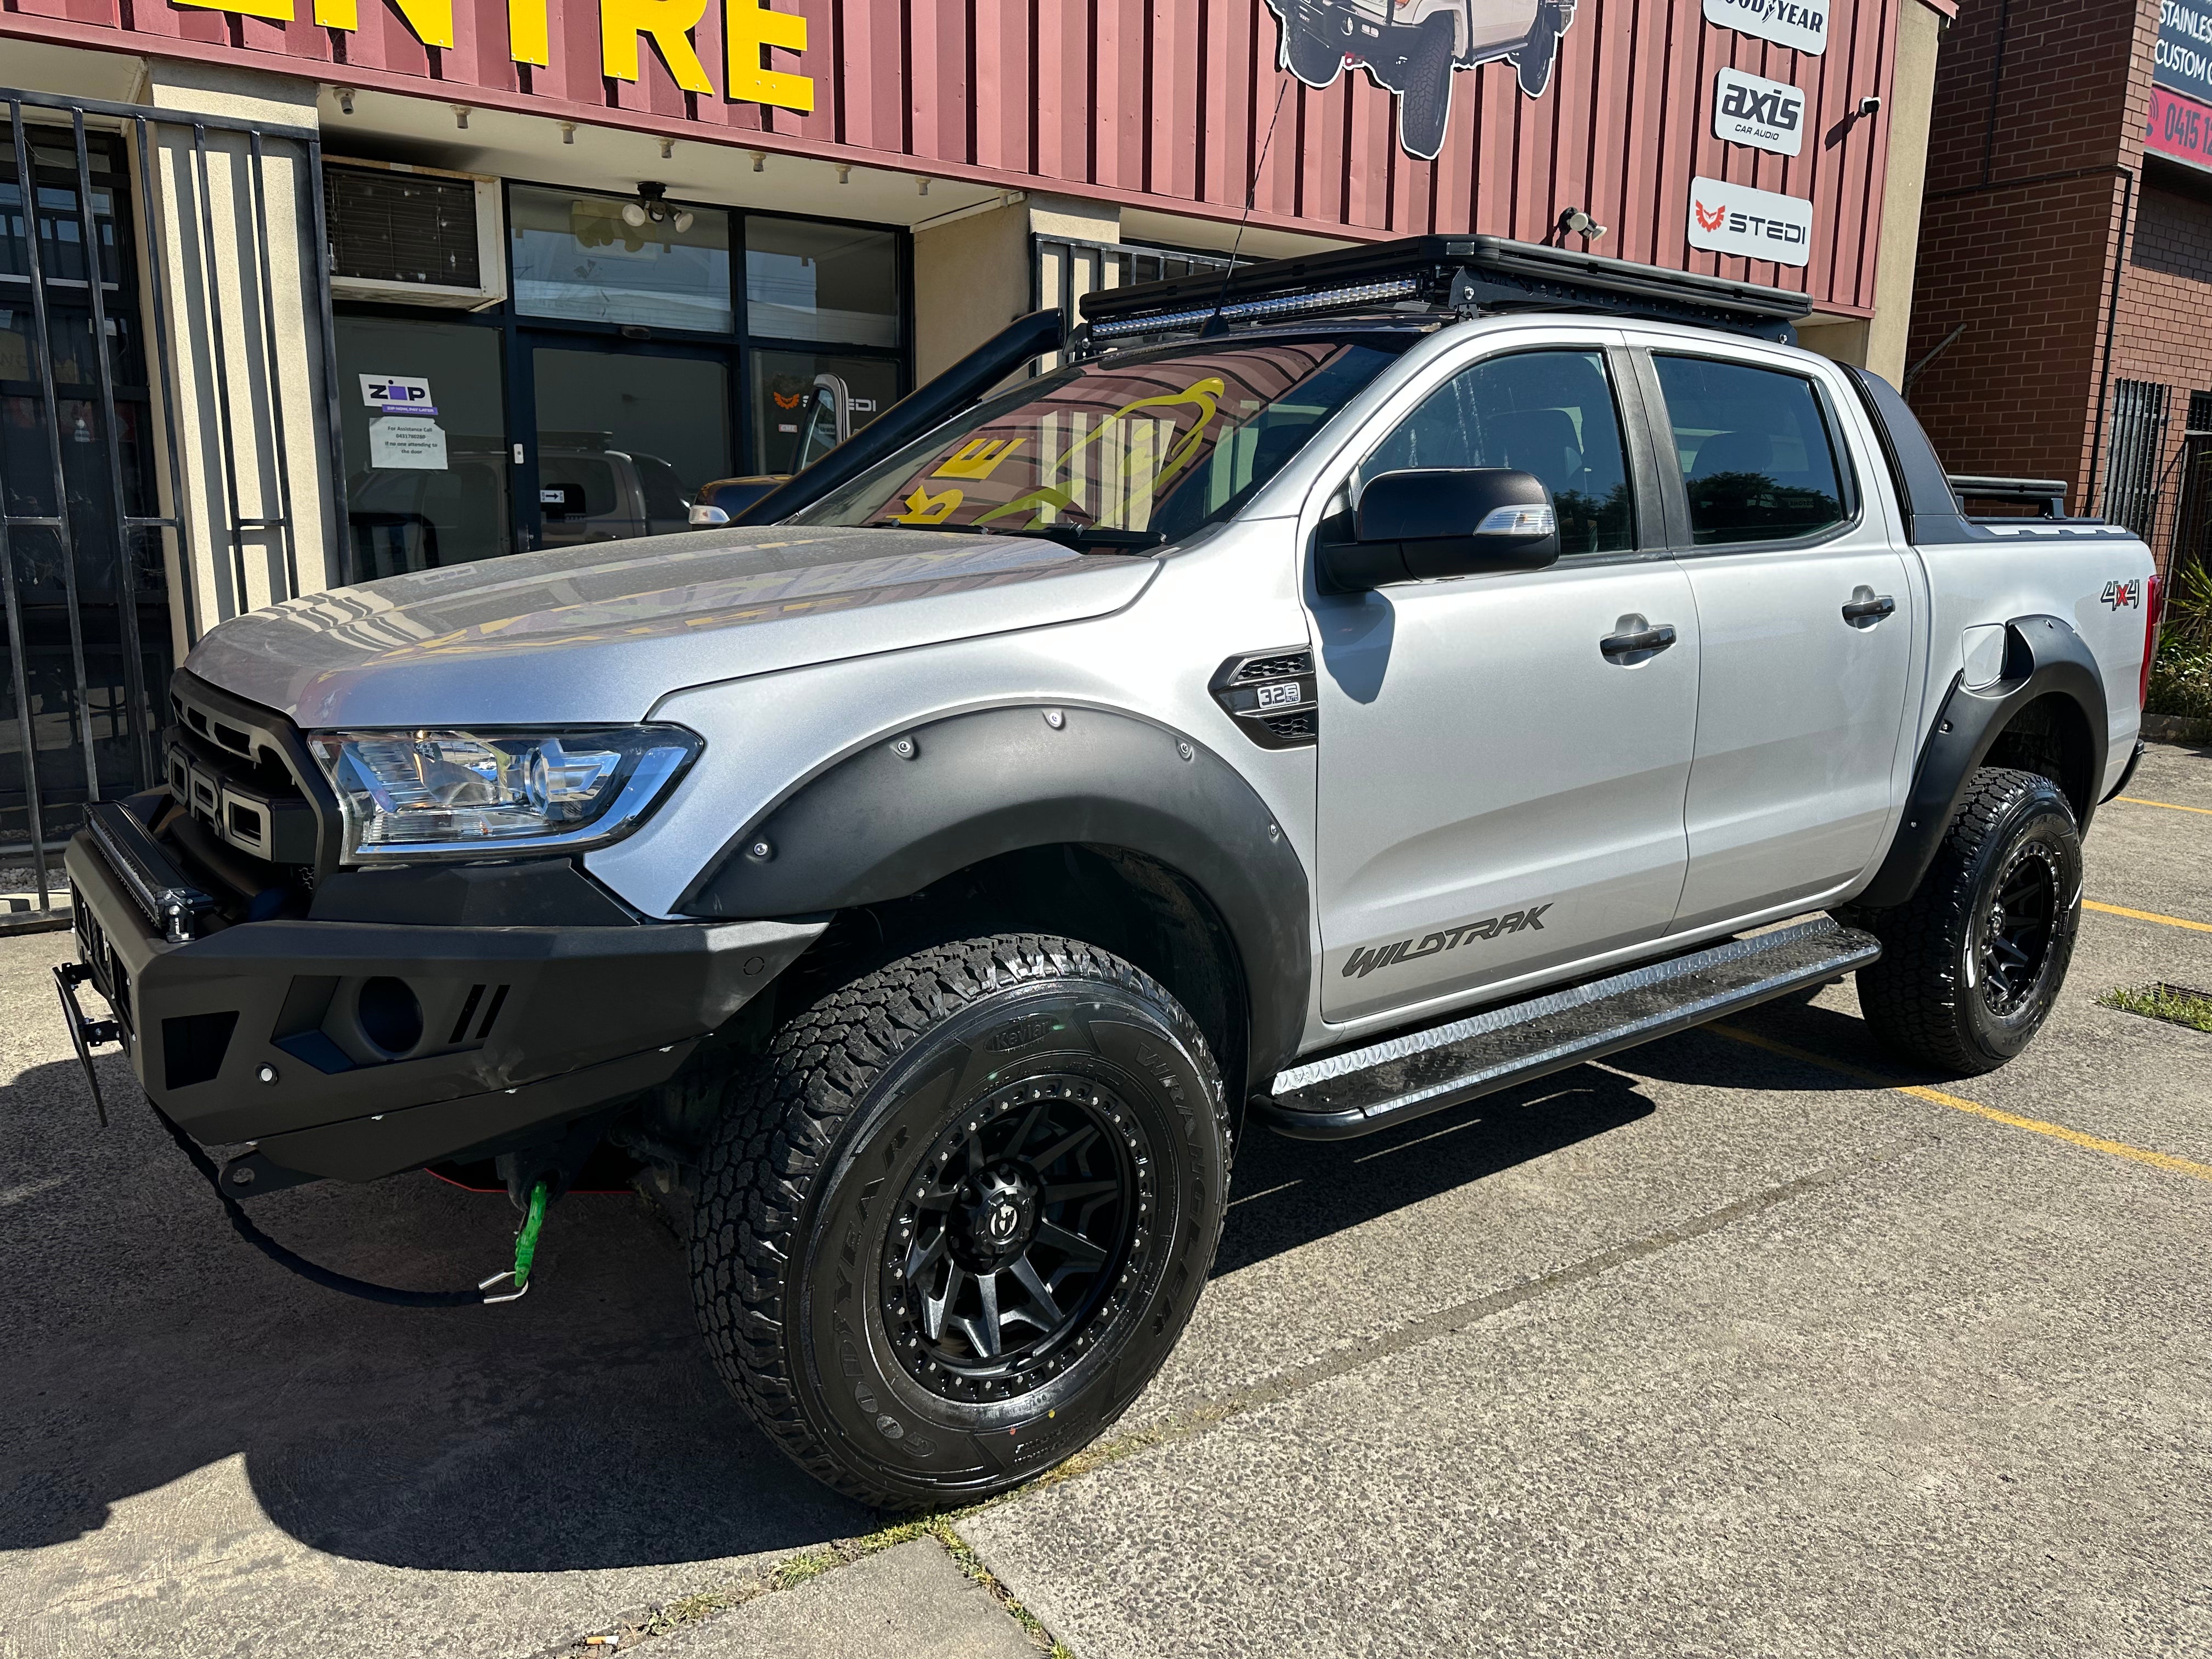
<point>1550,413</point>
<point>1756,456</point>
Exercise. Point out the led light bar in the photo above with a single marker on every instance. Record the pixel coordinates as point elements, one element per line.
<point>1461,276</point>
<point>1288,304</point>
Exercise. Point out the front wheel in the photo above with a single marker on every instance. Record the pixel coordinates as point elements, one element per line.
<point>1972,962</point>
<point>957,1214</point>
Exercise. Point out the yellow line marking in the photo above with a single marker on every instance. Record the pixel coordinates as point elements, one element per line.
<point>2034,1125</point>
<point>2148,915</point>
<point>2135,800</point>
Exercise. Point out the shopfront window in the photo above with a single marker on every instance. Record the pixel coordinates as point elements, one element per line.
<point>625,440</point>
<point>577,255</point>
<point>835,284</point>
<point>793,423</point>
<point>424,416</point>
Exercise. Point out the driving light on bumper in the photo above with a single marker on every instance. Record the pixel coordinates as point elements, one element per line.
<point>428,794</point>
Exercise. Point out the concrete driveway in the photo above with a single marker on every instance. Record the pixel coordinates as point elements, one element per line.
<point>1747,1343</point>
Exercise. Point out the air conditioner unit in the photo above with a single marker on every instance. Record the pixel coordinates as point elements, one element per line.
<point>416,236</point>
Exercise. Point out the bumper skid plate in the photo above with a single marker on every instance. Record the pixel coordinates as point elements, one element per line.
<point>354,1049</point>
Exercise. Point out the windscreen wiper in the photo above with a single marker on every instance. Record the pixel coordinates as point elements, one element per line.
<point>1092,538</point>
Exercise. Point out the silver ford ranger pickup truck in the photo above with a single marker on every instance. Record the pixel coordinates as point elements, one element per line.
<point>1339,690</point>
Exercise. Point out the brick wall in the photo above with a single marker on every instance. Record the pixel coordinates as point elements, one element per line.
<point>2039,109</point>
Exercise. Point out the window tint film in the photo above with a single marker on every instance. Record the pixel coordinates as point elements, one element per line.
<point>1756,457</point>
<point>1163,445</point>
<point>1550,413</point>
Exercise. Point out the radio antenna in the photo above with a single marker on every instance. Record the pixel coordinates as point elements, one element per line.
<point>1251,193</point>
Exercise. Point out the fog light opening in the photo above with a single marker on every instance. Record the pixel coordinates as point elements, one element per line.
<point>391,1017</point>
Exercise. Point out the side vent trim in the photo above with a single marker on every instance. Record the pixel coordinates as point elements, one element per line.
<point>1271,695</point>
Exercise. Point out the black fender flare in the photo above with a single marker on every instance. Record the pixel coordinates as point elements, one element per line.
<point>888,820</point>
<point>2043,655</point>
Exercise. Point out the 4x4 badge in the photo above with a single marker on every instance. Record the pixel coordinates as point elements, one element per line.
<point>2127,594</point>
<point>1362,962</point>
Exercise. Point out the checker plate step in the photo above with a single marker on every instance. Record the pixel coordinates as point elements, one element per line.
<point>1363,1090</point>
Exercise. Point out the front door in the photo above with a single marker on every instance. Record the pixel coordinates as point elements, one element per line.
<point>626,436</point>
<point>1807,627</point>
<point>1502,779</point>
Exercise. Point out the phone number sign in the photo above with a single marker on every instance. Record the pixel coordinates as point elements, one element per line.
<point>2180,128</point>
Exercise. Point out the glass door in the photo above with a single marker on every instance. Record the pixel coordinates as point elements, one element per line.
<point>626,436</point>
<point>424,416</point>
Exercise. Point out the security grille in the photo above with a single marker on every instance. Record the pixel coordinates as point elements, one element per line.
<point>2192,522</point>
<point>1062,270</point>
<point>90,483</point>
<point>2138,440</point>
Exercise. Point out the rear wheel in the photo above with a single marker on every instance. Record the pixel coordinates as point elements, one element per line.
<point>1972,962</point>
<point>957,1215</point>
<point>1425,106</point>
<point>1312,57</point>
<point>1532,64</point>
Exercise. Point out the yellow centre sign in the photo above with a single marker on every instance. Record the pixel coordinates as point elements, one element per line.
<point>751,28</point>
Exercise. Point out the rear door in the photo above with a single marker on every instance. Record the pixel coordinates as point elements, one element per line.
<point>1501,784</point>
<point>1805,629</point>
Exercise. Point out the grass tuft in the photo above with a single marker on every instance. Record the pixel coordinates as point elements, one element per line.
<point>2176,1005</point>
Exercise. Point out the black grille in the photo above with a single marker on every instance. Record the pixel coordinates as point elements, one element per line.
<point>1274,668</point>
<point>402,227</point>
<point>1298,728</point>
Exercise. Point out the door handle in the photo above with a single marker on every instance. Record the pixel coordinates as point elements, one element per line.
<point>1868,611</point>
<point>1657,637</point>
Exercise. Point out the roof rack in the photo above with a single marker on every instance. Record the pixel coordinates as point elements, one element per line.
<point>1464,275</point>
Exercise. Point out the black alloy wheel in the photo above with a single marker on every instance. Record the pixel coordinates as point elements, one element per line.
<point>957,1213</point>
<point>2014,934</point>
<point>1973,963</point>
<point>1011,1245</point>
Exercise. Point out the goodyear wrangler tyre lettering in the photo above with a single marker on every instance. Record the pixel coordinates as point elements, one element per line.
<point>1972,962</point>
<point>956,1216</point>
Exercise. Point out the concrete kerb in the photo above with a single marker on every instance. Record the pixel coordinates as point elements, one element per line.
<point>641,1624</point>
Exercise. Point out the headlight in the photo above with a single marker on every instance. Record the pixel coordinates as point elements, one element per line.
<point>425,794</point>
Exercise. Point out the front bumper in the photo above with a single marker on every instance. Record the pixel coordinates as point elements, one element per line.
<point>354,1049</point>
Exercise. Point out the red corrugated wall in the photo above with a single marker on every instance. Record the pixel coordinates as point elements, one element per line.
<point>1167,104</point>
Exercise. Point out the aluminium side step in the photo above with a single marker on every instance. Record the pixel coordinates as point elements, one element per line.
<point>1363,1089</point>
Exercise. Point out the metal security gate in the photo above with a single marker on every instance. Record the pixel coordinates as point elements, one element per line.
<point>2191,541</point>
<point>1063,269</point>
<point>2137,444</point>
<point>97,515</point>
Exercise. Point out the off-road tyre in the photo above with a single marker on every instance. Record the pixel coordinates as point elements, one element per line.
<point>1532,64</point>
<point>1934,997</point>
<point>1313,59</point>
<point>1424,107</point>
<point>898,1109</point>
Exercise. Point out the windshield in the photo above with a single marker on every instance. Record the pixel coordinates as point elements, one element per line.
<point>1127,453</point>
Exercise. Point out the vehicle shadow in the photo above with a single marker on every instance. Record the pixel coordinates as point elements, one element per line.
<point>581,1427</point>
<point>1289,1193</point>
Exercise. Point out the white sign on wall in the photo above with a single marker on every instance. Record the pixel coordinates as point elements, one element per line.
<point>407,442</point>
<point>1800,24</point>
<point>1758,224</point>
<point>1768,115</point>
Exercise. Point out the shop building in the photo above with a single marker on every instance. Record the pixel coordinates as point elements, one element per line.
<point>390,285</point>
<point>2065,264</point>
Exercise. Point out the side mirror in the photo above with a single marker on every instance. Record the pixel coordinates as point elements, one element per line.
<point>1445,521</point>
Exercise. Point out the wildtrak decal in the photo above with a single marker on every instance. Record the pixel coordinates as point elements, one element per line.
<point>1364,962</point>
